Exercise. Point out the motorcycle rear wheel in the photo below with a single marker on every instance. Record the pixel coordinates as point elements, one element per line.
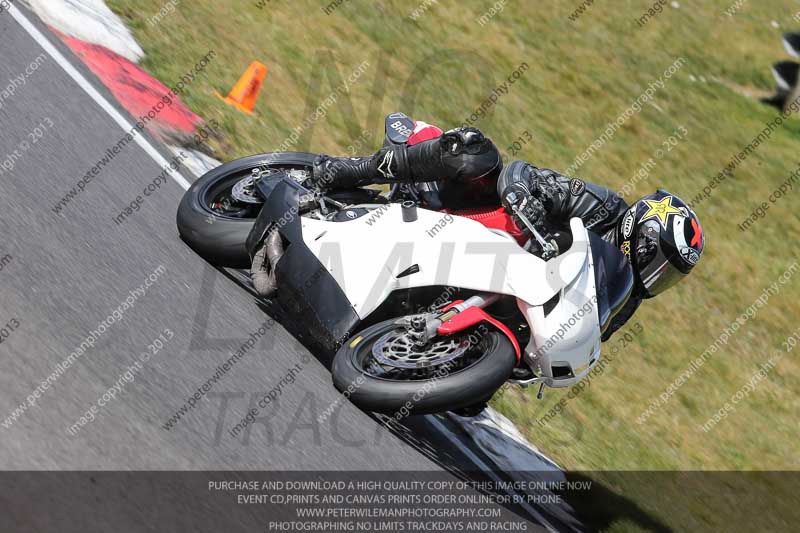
<point>468,379</point>
<point>219,234</point>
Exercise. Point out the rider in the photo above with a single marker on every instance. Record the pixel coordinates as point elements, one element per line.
<point>659,234</point>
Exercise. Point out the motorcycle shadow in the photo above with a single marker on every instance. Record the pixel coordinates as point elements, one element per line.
<point>280,315</point>
<point>488,449</point>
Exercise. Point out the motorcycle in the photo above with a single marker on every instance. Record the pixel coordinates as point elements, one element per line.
<point>426,310</point>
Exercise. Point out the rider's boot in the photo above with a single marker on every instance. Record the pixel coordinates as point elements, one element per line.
<point>347,172</point>
<point>461,155</point>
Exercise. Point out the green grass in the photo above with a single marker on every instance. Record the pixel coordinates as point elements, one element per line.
<point>582,75</point>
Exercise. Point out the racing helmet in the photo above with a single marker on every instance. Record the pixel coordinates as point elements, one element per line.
<point>662,238</point>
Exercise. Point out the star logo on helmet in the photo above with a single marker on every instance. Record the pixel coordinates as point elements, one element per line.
<point>661,210</point>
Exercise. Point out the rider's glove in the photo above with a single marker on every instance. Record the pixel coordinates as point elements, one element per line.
<point>517,199</point>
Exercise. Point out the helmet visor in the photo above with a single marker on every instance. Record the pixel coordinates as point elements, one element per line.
<point>656,272</point>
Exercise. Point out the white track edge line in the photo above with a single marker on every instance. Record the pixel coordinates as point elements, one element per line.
<point>95,95</point>
<point>158,158</point>
<point>488,471</point>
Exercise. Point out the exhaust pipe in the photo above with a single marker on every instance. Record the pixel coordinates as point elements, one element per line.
<point>262,272</point>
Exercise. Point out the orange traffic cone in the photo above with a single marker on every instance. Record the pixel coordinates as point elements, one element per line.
<point>245,92</point>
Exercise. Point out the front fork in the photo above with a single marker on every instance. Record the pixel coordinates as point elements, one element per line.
<point>423,328</point>
<point>458,316</point>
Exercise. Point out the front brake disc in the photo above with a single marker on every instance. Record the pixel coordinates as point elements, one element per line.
<point>398,349</point>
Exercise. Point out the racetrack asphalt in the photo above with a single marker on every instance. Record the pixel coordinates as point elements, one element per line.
<point>70,270</point>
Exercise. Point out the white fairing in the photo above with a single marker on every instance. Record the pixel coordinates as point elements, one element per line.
<point>569,336</point>
<point>365,256</point>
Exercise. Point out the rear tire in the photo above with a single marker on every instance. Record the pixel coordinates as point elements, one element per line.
<point>217,238</point>
<point>466,387</point>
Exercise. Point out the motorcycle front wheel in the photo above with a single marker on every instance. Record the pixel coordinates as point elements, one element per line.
<point>379,370</point>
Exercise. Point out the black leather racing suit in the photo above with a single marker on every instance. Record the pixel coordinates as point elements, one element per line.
<point>563,198</point>
<point>464,161</point>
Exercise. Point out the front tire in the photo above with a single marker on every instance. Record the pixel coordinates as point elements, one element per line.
<point>220,238</point>
<point>472,383</point>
